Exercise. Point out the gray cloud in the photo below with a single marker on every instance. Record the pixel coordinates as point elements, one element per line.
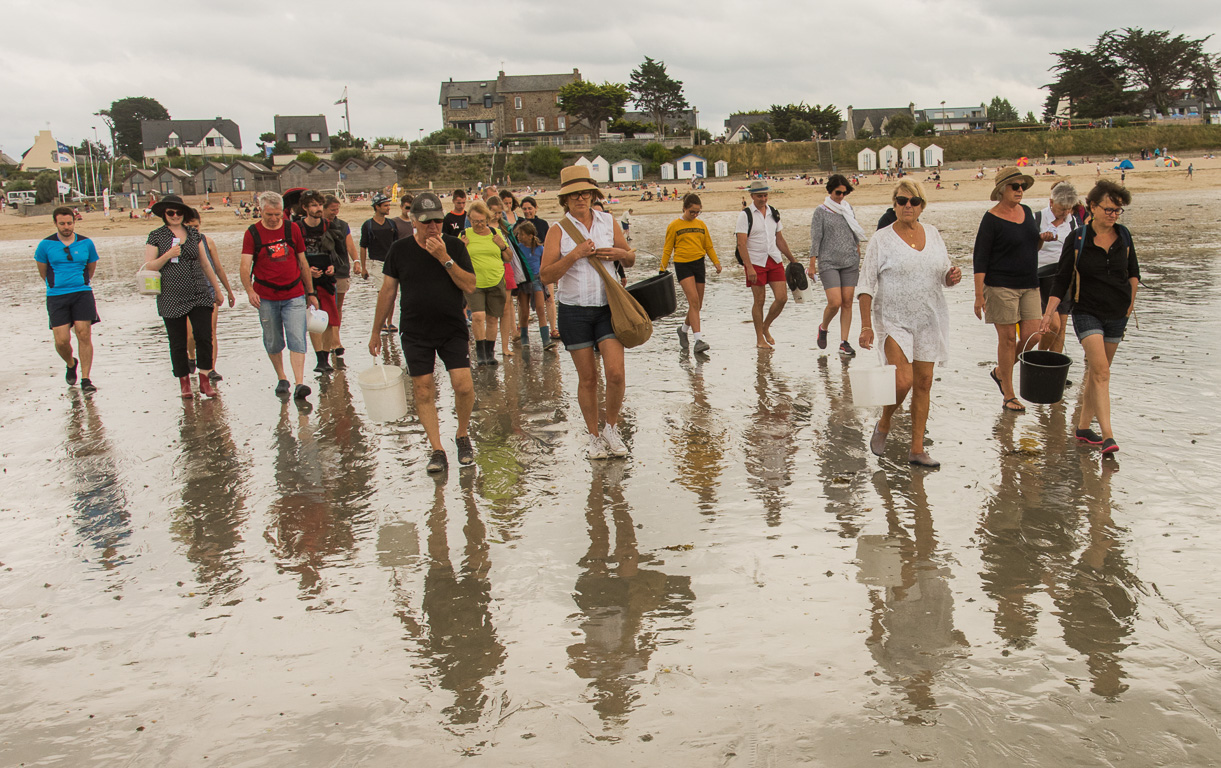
<point>248,61</point>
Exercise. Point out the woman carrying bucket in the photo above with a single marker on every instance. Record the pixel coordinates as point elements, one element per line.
<point>1098,266</point>
<point>904,309</point>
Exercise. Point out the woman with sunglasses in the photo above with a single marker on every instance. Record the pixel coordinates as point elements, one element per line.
<point>688,241</point>
<point>209,246</point>
<point>489,252</point>
<point>175,251</point>
<point>903,308</point>
<point>835,258</point>
<point>1102,274</point>
<point>583,312</point>
<point>1007,275</point>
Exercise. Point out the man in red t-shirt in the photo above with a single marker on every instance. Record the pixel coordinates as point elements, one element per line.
<point>277,280</point>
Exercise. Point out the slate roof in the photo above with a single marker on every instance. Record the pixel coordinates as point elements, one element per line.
<point>255,168</point>
<point>303,126</point>
<point>525,83</point>
<point>156,133</point>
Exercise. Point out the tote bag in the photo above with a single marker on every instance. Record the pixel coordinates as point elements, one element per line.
<point>630,322</point>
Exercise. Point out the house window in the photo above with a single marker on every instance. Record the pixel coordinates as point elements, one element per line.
<point>137,188</point>
<point>561,122</point>
<point>487,101</point>
<point>521,125</point>
<point>290,137</point>
<point>542,124</point>
<point>315,137</point>
<point>517,102</point>
<point>167,187</point>
<point>687,166</point>
<point>239,183</point>
<point>457,103</point>
<point>557,98</point>
<point>173,141</point>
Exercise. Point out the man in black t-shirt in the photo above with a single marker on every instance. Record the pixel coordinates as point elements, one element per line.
<point>319,253</point>
<point>455,221</point>
<point>434,272</point>
<point>376,236</point>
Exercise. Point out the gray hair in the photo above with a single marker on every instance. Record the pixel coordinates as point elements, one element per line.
<point>1064,194</point>
<point>270,199</point>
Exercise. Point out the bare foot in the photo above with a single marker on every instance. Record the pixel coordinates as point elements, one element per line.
<point>763,344</point>
<point>767,335</point>
<point>506,352</point>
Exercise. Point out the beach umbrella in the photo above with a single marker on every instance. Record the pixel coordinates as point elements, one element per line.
<point>1023,162</point>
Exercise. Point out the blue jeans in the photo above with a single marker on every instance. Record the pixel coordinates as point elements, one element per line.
<point>283,320</point>
<point>582,327</point>
<point>1087,325</point>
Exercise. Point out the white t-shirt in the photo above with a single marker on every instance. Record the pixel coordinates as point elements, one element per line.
<point>582,284</point>
<point>1051,250</point>
<point>761,242</point>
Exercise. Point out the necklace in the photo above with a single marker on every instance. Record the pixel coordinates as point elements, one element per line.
<point>911,238</point>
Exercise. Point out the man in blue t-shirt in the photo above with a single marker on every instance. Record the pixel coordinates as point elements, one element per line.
<point>66,262</point>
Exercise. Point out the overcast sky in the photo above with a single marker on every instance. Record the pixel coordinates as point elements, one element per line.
<point>247,61</point>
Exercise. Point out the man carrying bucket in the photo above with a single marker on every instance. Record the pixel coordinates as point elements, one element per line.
<point>435,273</point>
<point>66,262</point>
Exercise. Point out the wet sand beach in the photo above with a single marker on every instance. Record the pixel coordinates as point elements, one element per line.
<point>240,582</point>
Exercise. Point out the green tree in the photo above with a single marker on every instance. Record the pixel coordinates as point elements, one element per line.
<point>900,124</point>
<point>799,130</point>
<point>925,128</point>
<point>824,121</point>
<point>594,103</point>
<point>345,140</point>
<point>761,132</point>
<point>347,153</point>
<point>545,160</point>
<point>20,185</point>
<point>46,187</point>
<point>422,162</point>
<point>1030,118</point>
<point>628,128</point>
<point>445,136</point>
<point>281,148</point>
<point>308,157</point>
<point>126,115</point>
<point>656,93</point>
<point>1001,111</point>
<point>702,136</point>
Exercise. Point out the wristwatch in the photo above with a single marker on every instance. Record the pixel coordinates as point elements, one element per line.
<point>449,264</point>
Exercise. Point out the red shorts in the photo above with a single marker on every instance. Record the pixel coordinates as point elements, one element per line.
<point>772,273</point>
<point>326,302</point>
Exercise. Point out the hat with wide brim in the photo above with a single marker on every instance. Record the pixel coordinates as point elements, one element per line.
<point>576,178</point>
<point>292,197</point>
<point>170,201</point>
<point>758,186</point>
<point>1010,174</point>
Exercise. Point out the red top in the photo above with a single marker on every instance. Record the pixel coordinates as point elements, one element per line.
<point>276,262</point>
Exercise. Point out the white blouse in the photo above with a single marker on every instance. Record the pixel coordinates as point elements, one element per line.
<point>907,288</point>
<point>582,285</point>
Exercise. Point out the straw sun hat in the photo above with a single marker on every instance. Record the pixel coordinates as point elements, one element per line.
<point>1010,174</point>
<point>576,178</point>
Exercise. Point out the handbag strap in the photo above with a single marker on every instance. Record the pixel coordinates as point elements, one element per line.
<point>568,226</point>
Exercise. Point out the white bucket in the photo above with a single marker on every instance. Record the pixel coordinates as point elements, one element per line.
<point>385,392</point>
<point>148,282</point>
<point>872,387</point>
<point>317,320</point>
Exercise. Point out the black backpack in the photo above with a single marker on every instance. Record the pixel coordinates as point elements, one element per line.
<point>750,223</point>
<point>286,237</point>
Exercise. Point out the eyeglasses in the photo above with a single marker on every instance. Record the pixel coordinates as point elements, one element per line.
<point>1112,211</point>
<point>1017,186</point>
<point>901,201</point>
<point>582,195</point>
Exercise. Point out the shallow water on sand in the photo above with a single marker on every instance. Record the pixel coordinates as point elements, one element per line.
<point>238,582</point>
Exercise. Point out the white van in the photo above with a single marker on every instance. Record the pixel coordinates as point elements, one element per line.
<point>23,196</point>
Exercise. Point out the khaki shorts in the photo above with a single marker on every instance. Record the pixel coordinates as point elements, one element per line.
<point>492,300</point>
<point>342,284</point>
<point>1009,306</point>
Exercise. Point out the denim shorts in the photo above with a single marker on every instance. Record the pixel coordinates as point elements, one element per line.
<point>582,327</point>
<point>529,288</point>
<point>283,320</point>
<point>1087,325</point>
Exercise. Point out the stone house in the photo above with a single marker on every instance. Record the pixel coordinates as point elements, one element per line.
<point>511,107</point>
<point>303,133</point>
<point>216,137</point>
<point>873,120</point>
<point>737,127</point>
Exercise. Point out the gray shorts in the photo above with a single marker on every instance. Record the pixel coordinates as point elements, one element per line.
<point>846,277</point>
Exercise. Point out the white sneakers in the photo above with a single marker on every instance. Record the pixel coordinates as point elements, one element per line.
<point>614,444</point>
<point>606,445</point>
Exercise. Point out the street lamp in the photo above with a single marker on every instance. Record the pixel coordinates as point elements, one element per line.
<point>943,123</point>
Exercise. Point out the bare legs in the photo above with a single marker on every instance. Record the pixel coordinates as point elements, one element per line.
<point>917,378</point>
<point>839,300</point>
<point>1096,396</point>
<point>84,344</point>
<point>1008,341</point>
<point>425,390</point>
<point>780,294</point>
<point>695,301</point>
<point>587,382</point>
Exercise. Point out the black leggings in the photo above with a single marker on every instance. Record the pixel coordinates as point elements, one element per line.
<point>176,329</point>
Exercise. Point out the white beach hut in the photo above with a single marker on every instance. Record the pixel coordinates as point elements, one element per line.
<point>866,160</point>
<point>720,168</point>
<point>627,170</point>
<point>585,162</point>
<point>691,166</point>
<point>888,157</point>
<point>667,171</point>
<point>600,170</point>
<point>934,156</point>
<point>911,155</point>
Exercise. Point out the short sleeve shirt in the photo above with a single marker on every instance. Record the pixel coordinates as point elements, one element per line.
<point>431,308</point>
<point>66,275</point>
<point>377,238</point>
<point>343,266</point>
<point>761,242</point>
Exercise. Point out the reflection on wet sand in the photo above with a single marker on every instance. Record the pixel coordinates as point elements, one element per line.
<point>99,503</point>
<point>699,437</point>
<point>912,635</point>
<point>1047,527</point>
<point>840,448</point>
<point>208,523</point>
<point>768,439</point>
<point>460,640</point>
<point>622,604</point>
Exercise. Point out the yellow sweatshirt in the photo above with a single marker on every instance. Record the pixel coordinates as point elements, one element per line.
<point>687,241</point>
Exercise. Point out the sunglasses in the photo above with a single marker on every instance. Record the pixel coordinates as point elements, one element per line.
<point>1017,186</point>
<point>840,192</point>
<point>174,212</point>
<point>68,253</point>
<point>901,201</point>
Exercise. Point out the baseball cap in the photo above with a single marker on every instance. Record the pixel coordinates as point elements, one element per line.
<point>427,207</point>
<point>379,198</point>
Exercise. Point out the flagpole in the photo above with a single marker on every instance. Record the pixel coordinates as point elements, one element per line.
<point>75,174</point>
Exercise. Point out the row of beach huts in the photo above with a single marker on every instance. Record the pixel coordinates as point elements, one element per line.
<point>912,156</point>
<point>689,166</point>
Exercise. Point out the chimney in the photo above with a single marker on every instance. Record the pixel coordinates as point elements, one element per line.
<point>500,74</point>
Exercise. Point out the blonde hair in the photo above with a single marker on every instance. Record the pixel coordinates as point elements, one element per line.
<point>481,208</point>
<point>912,187</point>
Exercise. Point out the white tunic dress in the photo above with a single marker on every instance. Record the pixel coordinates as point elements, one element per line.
<point>907,289</point>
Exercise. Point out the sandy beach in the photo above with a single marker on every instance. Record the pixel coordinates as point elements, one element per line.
<point>727,195</point>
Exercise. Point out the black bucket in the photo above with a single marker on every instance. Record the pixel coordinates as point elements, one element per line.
<point>656,295</point>
<point>1043,375</point>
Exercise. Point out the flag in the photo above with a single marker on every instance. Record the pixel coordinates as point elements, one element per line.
<point>63,188</point>
<point>64,148</point>
<point>63,159</point>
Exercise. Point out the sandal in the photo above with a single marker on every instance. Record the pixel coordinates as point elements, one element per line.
<point>1020,408</point>
<point>997,379</point>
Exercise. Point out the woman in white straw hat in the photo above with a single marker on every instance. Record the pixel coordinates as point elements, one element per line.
<point>582,312</point>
